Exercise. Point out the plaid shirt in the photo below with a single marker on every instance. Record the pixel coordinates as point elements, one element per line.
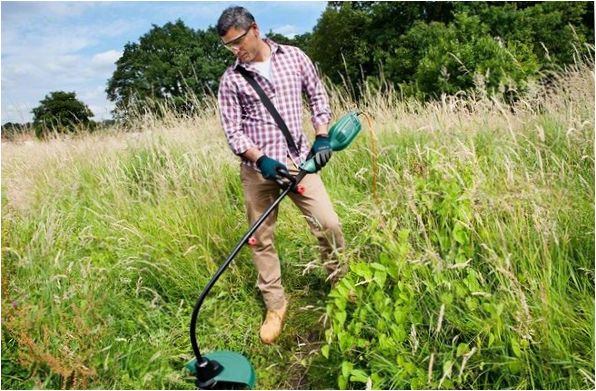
<point>246,121</point>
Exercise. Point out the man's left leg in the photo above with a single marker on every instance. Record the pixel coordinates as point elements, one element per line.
<point>317,208</point>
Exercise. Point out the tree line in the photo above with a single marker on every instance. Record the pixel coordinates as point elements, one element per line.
<point>58,112</point>
<point>422,49</point>
<point>432,48</point>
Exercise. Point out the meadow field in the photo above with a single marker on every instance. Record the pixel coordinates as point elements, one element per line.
<point>470,242</point>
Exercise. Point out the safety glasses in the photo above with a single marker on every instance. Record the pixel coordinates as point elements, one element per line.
<point>235,43</point>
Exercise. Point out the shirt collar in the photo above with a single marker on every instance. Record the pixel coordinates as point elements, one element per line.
<point>275,47</point>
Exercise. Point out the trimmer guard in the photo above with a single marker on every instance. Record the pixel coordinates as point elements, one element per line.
<point>237,370</point>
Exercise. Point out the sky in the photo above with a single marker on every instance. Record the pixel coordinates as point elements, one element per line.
<point>72,46</point>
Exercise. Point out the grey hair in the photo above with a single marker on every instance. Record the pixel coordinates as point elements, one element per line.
<point>237,17</point>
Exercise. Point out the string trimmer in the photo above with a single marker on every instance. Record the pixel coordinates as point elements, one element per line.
<point>231,370</point>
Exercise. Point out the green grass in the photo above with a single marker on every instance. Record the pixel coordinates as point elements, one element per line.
<point>473,262</point>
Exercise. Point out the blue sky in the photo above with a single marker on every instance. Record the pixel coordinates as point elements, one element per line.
<point>72,46</point>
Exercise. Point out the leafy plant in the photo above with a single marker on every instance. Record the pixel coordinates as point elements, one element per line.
<point>444,304</point>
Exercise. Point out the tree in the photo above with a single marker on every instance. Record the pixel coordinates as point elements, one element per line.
<point>352,40</point>
<point>300,41</point>
<point>554,30</point>
<point>338,43</point>
<point>60,112</point>
<point>430,48</point>
<point>11,130</point>
<point>168,65</point>
<point>279,38</point>
<point>465,56</point>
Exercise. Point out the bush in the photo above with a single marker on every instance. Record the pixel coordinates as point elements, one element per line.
<point>463,57</point>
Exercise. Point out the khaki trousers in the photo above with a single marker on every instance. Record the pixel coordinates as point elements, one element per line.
<point>315,205</point>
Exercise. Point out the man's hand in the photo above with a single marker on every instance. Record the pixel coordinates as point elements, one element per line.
<point>321,150</point>
<point>270,168</point>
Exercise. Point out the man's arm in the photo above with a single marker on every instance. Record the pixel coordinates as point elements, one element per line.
<point>322,130</point>
<point>317,96</point>
<point>252,154</point>
<point>231,119</point>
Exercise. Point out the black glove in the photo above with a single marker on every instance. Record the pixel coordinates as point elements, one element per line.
<point>270,168</point>
<point>321,150</point>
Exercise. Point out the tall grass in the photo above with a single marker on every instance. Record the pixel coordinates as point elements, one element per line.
<point>472,260</point>
<point>479,270</point>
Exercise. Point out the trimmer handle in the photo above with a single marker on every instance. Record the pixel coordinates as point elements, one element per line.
<point>284,179</point>
<point>341,134</point>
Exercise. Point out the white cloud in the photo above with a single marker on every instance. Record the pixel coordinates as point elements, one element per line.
<point>20,113</point>
<point>208,11</point>
<point>38,58</point>
<point>288,30</point>
<point>109,57</point>
<point>27,78</point>
<point>105,62</point>
<point>96,100</point>
<point>18,11</point>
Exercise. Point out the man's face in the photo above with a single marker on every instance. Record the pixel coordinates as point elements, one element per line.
<point>243,43</point>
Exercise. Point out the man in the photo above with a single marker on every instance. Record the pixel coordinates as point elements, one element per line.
<point>283,72</point>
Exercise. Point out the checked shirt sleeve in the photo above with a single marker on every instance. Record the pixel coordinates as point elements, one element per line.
<point>315,91</point>
<point>230,114</point>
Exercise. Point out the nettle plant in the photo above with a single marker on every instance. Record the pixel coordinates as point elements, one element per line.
<point>420,315</point>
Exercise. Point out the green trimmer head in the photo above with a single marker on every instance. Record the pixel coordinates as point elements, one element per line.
<point>237,373</point>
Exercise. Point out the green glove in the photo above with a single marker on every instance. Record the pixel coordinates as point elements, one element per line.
<point>270,168</point>
<point>321,150</point>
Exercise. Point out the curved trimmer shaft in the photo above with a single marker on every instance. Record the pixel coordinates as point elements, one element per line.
<point>207,369</point>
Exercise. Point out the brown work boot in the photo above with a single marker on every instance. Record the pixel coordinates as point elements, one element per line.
<point>274,320</point>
